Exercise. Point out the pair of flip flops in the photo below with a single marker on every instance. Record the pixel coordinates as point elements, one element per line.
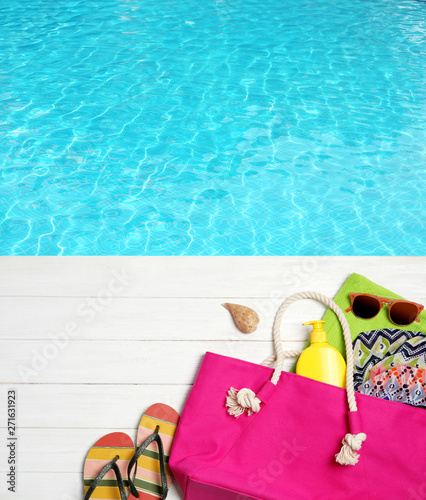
<point>115,470</point>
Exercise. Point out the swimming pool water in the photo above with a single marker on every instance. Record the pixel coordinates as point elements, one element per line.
<point>213,127</point>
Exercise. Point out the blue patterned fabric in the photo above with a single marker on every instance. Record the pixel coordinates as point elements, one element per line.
<point>402,383</point>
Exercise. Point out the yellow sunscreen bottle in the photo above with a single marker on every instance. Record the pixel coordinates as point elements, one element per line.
<point>321,361</point>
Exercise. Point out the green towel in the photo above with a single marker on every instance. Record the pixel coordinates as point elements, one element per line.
<point>356,283</point>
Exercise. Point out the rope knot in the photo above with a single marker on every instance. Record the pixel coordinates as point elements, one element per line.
<point>241,401</point>
<point>351,444</point>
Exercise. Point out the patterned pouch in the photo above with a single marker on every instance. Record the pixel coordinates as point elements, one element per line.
<point>371,348</point>
<point>397,359</point>
<point>402,383</point>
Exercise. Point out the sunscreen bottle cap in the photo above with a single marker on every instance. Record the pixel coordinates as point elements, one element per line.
<point>318,334</point>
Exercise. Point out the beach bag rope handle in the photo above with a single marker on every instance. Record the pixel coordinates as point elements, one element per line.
<point>245,400</point>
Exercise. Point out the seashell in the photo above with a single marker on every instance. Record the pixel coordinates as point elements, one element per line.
<point>245,318</point>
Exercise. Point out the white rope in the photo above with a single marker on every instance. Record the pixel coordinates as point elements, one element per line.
<point>351,444</point>
<point>241,401</point>
<point>245,400</point>
<point>287,354</point>
<point>346,334</point>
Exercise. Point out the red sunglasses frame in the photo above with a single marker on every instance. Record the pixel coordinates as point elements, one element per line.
<point>385,300</point>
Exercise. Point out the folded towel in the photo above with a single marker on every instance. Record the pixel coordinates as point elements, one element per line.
<point>356,283</point>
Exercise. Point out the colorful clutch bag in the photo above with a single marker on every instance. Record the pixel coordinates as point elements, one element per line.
<point>395,360</point>
<point>402,383</point>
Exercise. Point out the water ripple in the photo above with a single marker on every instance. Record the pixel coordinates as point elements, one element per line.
<point>239,128</point>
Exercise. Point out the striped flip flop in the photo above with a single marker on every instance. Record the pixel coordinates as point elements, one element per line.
<point>154,442</point>
<point>105,468</point>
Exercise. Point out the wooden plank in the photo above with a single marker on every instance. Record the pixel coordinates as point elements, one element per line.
<point>58,486</point>
<point>69,447</point>
<point>41,318</point>
<point>201,276</point>
<point>118,362</point>
<point>145,342</point>
<point>117,407</point>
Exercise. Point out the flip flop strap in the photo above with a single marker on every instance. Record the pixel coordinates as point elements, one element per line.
<point>157,438</point>
<point>110,465</point>
<point>164,484</point>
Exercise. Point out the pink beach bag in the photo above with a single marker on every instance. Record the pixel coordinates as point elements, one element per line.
<point>280,436</point>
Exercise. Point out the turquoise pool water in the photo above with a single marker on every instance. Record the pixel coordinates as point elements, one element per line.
<point>213,127</point>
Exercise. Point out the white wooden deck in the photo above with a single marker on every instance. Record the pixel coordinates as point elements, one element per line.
<point>137,328</point>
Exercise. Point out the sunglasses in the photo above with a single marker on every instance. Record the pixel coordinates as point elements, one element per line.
<point>401,312</point>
